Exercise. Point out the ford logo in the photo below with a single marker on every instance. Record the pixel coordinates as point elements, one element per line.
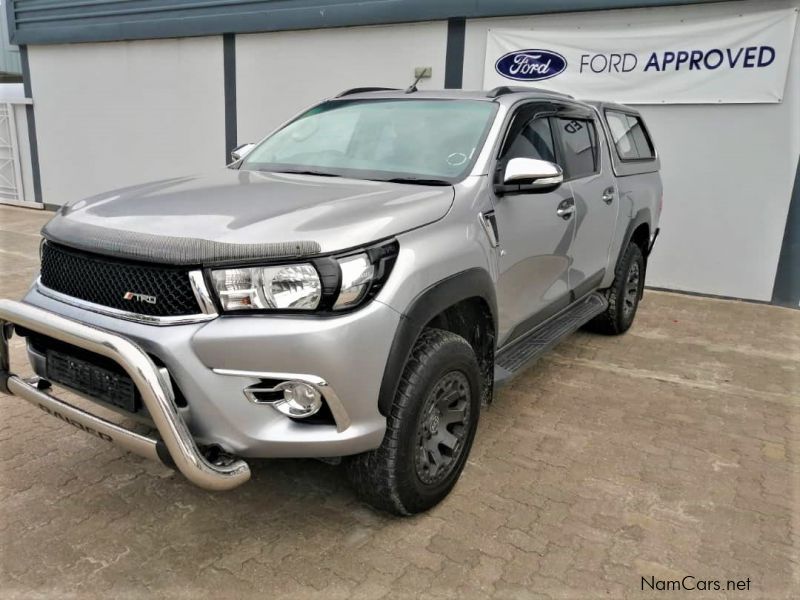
<point>530,65</point>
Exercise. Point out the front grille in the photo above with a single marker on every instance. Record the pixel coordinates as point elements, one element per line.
<point>106,281</point>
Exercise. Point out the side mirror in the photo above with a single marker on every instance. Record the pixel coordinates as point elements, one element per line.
<point>240,152</point>
<point>530,176</point>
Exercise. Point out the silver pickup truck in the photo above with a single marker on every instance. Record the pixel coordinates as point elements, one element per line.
<point>354,287</point>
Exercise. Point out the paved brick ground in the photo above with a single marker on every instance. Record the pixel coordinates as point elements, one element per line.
<point>670,451</point>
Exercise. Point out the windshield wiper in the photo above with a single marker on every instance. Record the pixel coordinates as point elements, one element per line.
<point>417,181</point>
<point>307,172</point>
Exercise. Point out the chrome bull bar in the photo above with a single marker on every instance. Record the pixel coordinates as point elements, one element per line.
<point>176,445</point>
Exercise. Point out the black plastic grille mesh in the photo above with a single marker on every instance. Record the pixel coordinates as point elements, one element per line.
<point>106,281</point>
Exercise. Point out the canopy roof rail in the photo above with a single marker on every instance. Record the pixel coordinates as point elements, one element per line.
<point>511,89</point>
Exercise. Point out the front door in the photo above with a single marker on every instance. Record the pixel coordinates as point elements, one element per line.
<point>534,240</point>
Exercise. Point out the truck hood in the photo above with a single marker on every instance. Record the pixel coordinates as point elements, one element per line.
<point>232,215</point>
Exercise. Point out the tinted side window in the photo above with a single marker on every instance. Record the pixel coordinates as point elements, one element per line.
<point>579,147</point>
<point>535,140</point>
<point>644,147</point>
<point>630,136</point>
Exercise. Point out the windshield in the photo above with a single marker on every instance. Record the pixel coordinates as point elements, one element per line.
<point>432,141</point>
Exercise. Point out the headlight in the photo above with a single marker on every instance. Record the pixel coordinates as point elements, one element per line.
<point>293,287</point>
<point>324,284</point>
<point>357,275</point>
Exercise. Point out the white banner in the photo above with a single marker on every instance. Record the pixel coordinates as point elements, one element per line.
<point>736,59</point>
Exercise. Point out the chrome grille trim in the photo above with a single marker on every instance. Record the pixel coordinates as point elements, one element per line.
<point>198,285</point>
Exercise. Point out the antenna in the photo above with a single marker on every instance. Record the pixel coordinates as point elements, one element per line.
<point>413,87</point>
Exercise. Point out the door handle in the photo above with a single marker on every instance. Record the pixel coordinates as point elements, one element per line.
<point>566,209</point>
<point>566,212</point>
<point>608,195</point>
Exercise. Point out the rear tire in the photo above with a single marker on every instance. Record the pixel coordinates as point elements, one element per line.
<point>429,429</point>
<point>623,295</point>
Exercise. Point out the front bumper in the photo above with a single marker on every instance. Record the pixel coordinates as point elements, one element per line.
<point>176,445</point>
<point>213,362</point>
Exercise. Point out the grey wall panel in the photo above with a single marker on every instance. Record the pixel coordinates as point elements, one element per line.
<point>59,21</point>
<point>454,62</point>
<point>229,78</point>
<point>787,280</point>
<point>30,118</point>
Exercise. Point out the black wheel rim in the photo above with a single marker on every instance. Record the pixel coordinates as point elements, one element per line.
<point>631,290</point>
<point>442,428</point>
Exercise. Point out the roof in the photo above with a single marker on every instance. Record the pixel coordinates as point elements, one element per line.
<point>504,95</point>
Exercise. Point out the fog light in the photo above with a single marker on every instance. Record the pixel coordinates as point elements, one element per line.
<point>300,400</point>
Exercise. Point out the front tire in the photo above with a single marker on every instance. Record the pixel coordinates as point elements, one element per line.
<point>429,430</point>
<point>623,295</point>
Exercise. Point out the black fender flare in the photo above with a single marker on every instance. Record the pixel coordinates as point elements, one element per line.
<point>472,283</point>
<point>642,217</point>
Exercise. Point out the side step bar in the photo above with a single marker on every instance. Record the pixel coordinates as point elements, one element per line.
<point>521,354</point>
<point>176,445</point>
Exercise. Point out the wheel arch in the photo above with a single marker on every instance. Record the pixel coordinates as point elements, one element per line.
<point>464,303</point>
<point>638,231</point>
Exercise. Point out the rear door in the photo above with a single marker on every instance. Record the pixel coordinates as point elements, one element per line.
<point>588,176</point>
<point>534,241</point>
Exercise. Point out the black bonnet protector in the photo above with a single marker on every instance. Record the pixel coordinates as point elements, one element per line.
<point>166,249</point>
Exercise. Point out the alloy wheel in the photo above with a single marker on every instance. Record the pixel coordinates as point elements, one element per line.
<point>442,428</point>
<point>631,290</point>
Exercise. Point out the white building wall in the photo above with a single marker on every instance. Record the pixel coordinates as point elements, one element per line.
<point>115,114</point>
<point>728,169</point>
<point>279,74</point>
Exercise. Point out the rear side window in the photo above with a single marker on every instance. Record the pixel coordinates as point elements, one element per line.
<point>579,147</point>
<point>630,136</point>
